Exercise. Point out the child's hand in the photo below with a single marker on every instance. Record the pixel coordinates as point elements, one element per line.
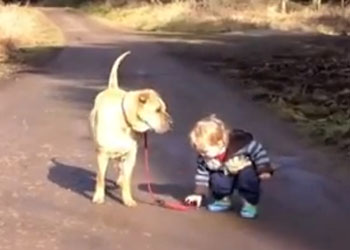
<point>265,176</point>
<point>194,199</point>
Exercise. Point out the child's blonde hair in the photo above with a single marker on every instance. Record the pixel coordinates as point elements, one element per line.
<point>209,131</point>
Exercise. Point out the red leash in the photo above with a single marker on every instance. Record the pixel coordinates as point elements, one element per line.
<point>160,202</point>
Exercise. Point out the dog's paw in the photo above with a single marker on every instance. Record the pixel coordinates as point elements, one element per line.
<point>98,198</point>
<point>130,202</point>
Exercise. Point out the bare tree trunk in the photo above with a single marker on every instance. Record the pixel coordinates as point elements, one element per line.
<point>343,13</point>
<point>284,4</point>
<point>317,4</point>
<point>114,3</point>
<point>342,4</point>
<point>156,2</point>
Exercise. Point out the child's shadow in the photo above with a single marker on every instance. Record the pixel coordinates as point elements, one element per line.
<point>78,180</point>
<point>175,191</point>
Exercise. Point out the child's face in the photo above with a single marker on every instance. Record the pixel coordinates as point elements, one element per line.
<point>211,151</point>
<point>209,138</point>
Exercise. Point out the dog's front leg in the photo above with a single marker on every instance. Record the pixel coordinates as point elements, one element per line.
<point>127,168</point>
<point>102,161</point>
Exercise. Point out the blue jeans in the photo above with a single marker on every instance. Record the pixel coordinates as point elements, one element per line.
<point>246,181</point>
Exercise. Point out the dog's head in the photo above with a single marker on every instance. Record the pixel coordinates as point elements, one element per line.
<point>151,112</point>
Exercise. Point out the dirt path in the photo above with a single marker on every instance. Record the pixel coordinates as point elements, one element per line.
<point>47,160</point>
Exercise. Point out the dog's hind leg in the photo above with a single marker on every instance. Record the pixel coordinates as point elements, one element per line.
<point>127,166</point>
<point>119,171</point>
<point>102,161</point>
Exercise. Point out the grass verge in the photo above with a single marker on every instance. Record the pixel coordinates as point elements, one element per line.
<point>223,16</point>
<point>310,89</point>
<point>23,32</point>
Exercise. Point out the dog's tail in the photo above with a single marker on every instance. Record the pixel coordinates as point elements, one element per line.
<point>113,77</point>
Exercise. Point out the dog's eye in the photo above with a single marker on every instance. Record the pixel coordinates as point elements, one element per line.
<point>158,110</point>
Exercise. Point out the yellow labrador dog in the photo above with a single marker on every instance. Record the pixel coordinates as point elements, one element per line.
<point>116,119</point>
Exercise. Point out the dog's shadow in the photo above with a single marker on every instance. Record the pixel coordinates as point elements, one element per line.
<point>79,180</point>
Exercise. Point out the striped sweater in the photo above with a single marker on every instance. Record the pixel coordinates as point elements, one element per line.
<point>242,151</point>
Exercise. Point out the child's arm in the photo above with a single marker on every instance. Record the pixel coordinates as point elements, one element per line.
<point>202,183</point>
<point>260,158</point>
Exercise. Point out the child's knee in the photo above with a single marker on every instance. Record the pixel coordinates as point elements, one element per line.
<point>249,178</point>
<point>249,185</point>
<point>221,184</point>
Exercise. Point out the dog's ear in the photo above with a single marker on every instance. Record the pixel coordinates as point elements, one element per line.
<point>143,98</point>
